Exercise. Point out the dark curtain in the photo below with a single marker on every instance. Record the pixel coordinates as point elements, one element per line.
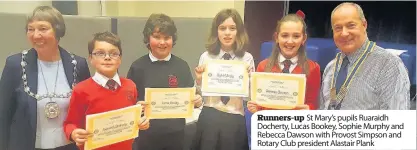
<point>260,22</point>
<point>66,7</point>
<point>389,21</point>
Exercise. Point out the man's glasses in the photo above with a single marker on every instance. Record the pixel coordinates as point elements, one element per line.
<point>103,55</point>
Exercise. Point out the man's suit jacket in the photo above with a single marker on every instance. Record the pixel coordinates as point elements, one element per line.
<point>18,110</point>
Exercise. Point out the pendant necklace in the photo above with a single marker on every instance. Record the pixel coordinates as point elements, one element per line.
<point>52,107</point>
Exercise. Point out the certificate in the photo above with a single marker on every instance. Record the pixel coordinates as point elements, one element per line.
<point>278,90</point>
<point>225,78</point>
<point>169,102</point>
<point>112,126</point>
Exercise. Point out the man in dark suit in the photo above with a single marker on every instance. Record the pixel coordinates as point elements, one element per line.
<point>35,87</point>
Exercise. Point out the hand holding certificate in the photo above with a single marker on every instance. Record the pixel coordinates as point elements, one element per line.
<point>165,103</point>
<point>112,126</point>
<point>225,78</point>
<point>278,90</point>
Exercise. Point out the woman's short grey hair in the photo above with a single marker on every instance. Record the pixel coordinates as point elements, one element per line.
<point>51,15</point>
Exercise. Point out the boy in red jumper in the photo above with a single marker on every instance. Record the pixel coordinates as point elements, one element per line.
<point>103,92</point>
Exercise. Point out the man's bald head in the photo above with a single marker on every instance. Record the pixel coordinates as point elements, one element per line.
<point>350,4</point>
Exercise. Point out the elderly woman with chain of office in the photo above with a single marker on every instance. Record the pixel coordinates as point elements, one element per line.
<point>36,84</point>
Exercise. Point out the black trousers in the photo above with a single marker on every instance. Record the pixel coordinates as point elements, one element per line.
<point>168,141</point>
<point>218,130</point>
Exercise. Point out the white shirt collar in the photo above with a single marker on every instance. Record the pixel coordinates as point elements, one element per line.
<point>102,80</point>
<point>293,60</point>
<point>153,58</point>
<point>232,54</point>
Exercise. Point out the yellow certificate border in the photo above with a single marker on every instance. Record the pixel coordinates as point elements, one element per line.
<point>148,98</point>
<point>276,76</point>
<point>245,87</point>
<point>136,109</point>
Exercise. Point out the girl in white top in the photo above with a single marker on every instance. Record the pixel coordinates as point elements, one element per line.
<point>221,124</point>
